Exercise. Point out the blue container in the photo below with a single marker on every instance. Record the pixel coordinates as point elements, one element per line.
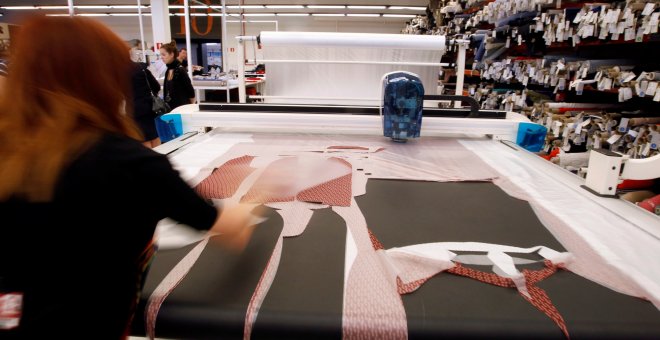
<point>403,101</point>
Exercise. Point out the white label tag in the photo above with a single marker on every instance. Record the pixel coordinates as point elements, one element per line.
<point>628,78</point>
<point>656,98</point>
<point>623,125</point>
<point>633,133</point>
<point>648,9</point>
<point>629,35</point>
<point>651,88</point>
<point>597,142</point>
<point>627,93</point>
<point>613,139</point>
<point>556,129</point>
<point>508,43</point>
<point>655,140</point>
<point>11,306</point>
<point>646,149</point>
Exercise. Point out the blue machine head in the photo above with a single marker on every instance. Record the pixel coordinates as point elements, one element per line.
<point>403,101</point>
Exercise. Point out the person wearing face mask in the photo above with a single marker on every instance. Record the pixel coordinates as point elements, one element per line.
<point>177,88</point>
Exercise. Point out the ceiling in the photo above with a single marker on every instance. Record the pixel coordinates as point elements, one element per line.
<point>381,9</point>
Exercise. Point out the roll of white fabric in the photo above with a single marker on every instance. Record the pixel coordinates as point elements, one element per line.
<point>361,40</point>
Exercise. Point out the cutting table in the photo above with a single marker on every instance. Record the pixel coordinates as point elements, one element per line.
<point>465,188</point>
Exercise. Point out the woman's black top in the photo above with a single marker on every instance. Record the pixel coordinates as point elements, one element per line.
<point>178,89</point>
<point>78,259</point>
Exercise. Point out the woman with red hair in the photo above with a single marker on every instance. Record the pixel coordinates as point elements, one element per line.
<point>80,196</point>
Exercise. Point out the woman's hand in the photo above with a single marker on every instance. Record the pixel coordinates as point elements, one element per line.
<point>235,224</point>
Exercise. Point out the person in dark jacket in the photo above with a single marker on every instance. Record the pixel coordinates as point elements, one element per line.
<point>177,88</point>
<point>144,85</point>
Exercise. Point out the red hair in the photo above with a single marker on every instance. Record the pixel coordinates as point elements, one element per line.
<point>67,86</point>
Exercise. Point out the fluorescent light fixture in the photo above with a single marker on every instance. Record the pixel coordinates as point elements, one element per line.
<point>366,7</point>
<point>176,7</point>
<point>326,6</point>
<point>180,14</point>
<point>18,7</point>
<point>127,6</point>
<point>259,14</point>
<point>284,6</point>
<point>198,14</point>
<point>92,7</point>
<point>292,14</point>
<point>57,15</point>
<point>328,14</point>
<point>363,15</point>
<point>215,14</point>
<point>52,7</point>
<point>411,8</point>
<point>124,14</point>
<point>399,15</point>
<point>199,7</point>
<point>247,6</point>
<point>93,14</point>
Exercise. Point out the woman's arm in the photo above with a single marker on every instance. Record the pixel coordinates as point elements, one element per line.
<point>187,86</point>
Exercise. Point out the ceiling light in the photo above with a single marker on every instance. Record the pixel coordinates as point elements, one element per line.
<point>198,14</point>
<point>292,14</point>
<point>92,7</point>
<point>18,7</point>
<point>366,7</point>
<point>176,6</point>
<point>326,6</point>
<point>52,7</point>
<point>328,14</point>
<point>247,6</point>
<point>93,14</point>
<point>259,14</point>
<point>408,8</point>
<point>124,14</point>
<point>363,15</point>
<point>284,6</point>
<point>199,7</point>
<point>57,15</point>
<point>399,15</point>
<point>127,6</point>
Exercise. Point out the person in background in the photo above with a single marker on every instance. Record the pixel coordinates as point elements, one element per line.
<point>183,57</point>
<point>144,85</point>
<point>80,196</point>
<point>177,89</point>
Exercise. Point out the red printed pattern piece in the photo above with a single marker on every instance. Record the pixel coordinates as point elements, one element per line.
<point>374,241</point>
<point>334,192</point>
<point>225,180</point>
<point>539,298</point>
<point>407,288</point>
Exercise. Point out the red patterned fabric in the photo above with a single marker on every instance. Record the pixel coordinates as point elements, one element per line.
<point>538,297</point>
<point>334,192</point>
<point>374,241</point>
<point>225,180</point>
<point>407,288</point>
